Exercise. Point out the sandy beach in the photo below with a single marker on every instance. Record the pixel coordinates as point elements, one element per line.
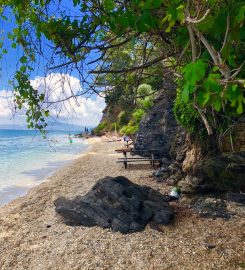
<point>33,236</point>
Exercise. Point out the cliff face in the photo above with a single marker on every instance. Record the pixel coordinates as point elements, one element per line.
<point>201,172</point>
<point>159,129</point>
<point>108,120</point>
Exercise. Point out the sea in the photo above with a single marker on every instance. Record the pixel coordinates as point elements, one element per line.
<point>26,158</point>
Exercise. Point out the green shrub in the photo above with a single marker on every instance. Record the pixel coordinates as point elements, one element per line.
<point>186,115</point>
<point>146,103</point>
<point>123,119</point>
<point>145,94</point>
<point>137,115</point>
<point>130,129</point>
<point>144,90</point>
<point>114,127</point>
<point>100,128</point>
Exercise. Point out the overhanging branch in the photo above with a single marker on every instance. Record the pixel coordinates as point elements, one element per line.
<point>146,65</point>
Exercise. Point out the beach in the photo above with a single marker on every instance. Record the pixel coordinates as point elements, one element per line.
<point>33,236</point>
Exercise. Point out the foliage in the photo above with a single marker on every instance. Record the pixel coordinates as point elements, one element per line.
<point>132,127</point>
<point>186,115</point>
<point>146,103</point>
<point>144,90</point>
<point>99,130</point>
<point>199,45</point>
<point>123,118</point>
<point>145,95</point>
<point>137,115</point>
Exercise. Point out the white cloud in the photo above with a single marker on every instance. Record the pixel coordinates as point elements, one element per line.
<point>76,111</point>
<point>7,109</point>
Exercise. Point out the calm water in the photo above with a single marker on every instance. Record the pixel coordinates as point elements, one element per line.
<point>26,159</point>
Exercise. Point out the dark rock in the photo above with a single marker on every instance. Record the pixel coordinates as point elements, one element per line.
<point>118,204</point>
<point>166,161</point>
<point>162,217</point>
<point>236,197</point>
<point>209,207</point>
<point>210,246</point>
<point>162,173</point>
<point>159,130</point>
<point>222,173</point>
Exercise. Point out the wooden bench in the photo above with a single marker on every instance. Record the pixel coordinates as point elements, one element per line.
<point>127,159</point>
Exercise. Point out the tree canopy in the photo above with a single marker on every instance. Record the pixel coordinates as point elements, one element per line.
<point>198,44</point>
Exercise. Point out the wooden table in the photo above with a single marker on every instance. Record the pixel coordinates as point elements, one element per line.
<point>127,159</point>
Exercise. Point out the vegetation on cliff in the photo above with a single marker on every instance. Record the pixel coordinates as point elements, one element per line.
<point>197,44</point>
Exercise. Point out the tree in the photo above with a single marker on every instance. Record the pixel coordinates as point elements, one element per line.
<point>201,47</point>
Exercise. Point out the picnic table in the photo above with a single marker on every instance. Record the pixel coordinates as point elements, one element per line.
<point>152,159</point>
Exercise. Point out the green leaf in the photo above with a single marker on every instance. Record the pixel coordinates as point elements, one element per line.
<point>206,98</point>
<point>215,68</point>
<point>217,105</point>
<point>185,94</point>
<point>195,71</point>
<point>241,100</point>
<point>109,4</point>
<point>200,98</point>
<point>46,113</point>
<point>240,15</point>
<point>233,92</point>
<point>23,69</point>
<point>180,13</point>
<point>211,84</point>
<point>171,24</point>
<point>152,4</point>
<point>23,59</point>
<point>240,108</point>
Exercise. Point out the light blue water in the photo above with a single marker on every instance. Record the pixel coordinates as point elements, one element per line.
<point>26,159</point>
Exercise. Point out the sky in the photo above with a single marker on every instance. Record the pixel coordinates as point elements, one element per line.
<point>82,111</point>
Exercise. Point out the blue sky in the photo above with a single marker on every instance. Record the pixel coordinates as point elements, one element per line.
<point>87,113</point>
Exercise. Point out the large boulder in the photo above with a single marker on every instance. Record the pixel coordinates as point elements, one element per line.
<point>210,207</point>
<point>222,173</point>
<point>118,204</point>
<point>237,134</point>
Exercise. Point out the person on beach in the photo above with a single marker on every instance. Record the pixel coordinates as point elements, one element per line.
<point>126,139</point>
<point>70,139</point>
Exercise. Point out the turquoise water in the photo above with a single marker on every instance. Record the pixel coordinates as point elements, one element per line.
<point>26,159</point>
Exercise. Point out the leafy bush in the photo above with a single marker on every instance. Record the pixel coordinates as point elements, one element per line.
<point>123,119</point>
<point>145,94</point>
<point>114,127</point>
<point>186,114</point>
<point>137,115</point>
<point>130,129</point>
<point>146,103</point>
<point>144,90</point>
<point>99,129</point>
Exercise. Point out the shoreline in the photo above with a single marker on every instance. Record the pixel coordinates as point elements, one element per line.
<point>38,176</point>
<point>33,236</point>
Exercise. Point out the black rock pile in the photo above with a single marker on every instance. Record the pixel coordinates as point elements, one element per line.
<point>118,204</point>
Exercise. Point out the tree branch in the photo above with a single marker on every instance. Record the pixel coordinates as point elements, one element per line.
<point>195,21</point>
<point>193,43</point>
<point>205,120</point>
<point>146,65</point>
<point>226,32</point>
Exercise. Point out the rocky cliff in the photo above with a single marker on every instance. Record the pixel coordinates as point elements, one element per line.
<point>159,130</point>
<point>201,171</point>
